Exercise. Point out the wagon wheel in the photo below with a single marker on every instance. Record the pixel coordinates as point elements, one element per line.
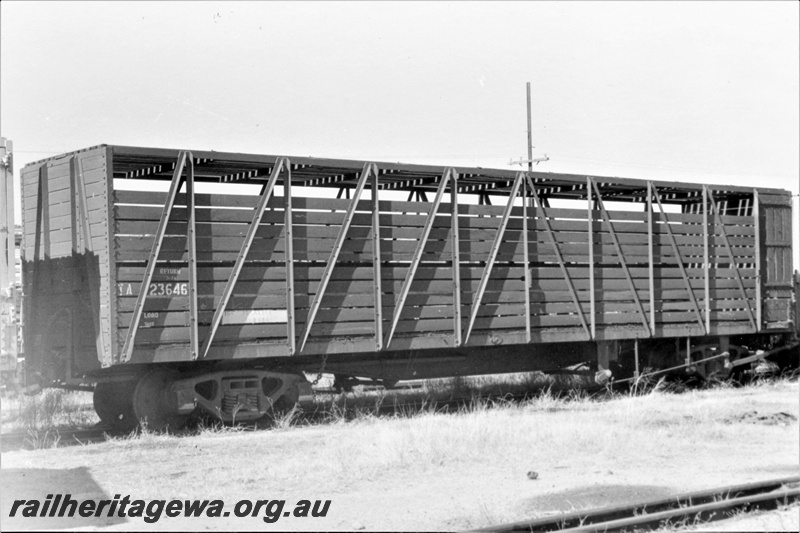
<point>113,403</point>
<point>154,404</point>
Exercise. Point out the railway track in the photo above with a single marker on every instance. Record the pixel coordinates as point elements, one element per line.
<point>702,506</point>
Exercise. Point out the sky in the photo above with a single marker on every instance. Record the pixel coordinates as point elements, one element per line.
<point>683,91</point>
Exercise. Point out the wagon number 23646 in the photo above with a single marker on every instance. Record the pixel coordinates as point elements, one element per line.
<point>168,289</point>
<point>156,289</point>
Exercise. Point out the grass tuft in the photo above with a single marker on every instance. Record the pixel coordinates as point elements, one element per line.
<point>49,410</point>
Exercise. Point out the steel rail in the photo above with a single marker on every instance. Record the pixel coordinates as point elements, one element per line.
<point>706,504</point>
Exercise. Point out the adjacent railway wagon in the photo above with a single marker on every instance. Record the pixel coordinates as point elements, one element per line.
<point>179,280</point>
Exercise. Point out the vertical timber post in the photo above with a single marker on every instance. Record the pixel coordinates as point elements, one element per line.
<point>590,240</point>
<point>289,256</point>
<point>376,261</point>
<point>636,358</point>
<point>456,258</point>
<point>191,237</point>
<point>651,268</point>
<point>757,230</point>
<point>706,261</point>
<point>526,262</point>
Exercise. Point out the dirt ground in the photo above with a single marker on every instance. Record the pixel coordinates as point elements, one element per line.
<point>437,471</point>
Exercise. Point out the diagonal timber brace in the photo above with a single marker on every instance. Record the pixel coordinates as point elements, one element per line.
<point>79,185</point>
<point>498,239</point>
<point>258,214</point>
<point>337,247</point>
<point>678,258</point>
<point>621,256</point>
<point>734,266</point>
<point>543,216</point>
<point>175,185</point>
<point>191,246</point>
<point>412,268</point>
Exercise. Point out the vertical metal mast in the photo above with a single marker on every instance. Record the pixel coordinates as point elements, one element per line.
<point>530,135</point>
<point>530,159</point>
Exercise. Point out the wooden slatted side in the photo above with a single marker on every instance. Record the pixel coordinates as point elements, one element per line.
<point>347,309</point>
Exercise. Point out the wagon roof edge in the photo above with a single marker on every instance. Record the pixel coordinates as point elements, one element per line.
<point>355,165</point>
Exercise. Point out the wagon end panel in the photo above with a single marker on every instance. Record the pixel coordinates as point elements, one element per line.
<point>775,220</point>
<point>65,267</point>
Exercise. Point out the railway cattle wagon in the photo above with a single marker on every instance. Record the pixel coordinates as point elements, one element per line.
<point>183,280</point>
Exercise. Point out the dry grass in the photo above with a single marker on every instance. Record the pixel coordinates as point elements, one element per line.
<point>657,436</point>
<point>521,436</point>
<point>48,411</point>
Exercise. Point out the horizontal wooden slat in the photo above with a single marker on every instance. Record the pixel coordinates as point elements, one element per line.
<point>148,227</point>
<point>363,245</point>
<point>607,313</point>
<point>278,301</point>
<point>366,328</point>
<point>133,249</point>
<point>301,203</point>
<point>299,217</point>
<point>277,271</point>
